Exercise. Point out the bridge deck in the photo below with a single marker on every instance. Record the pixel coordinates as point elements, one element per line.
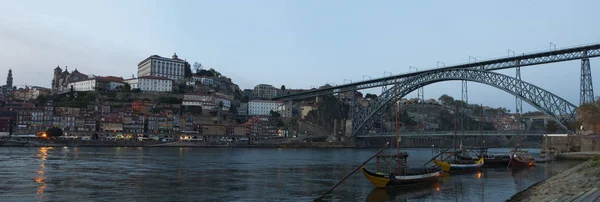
<point>559,55</point>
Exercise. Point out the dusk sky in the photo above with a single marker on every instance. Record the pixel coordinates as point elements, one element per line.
<point>301,43</point>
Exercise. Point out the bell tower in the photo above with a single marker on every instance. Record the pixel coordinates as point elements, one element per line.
<point>9,79</point>
<point>55,80</point>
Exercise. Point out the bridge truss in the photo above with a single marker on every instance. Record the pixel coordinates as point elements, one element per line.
<point>559,109</point>
<point>560,55</point>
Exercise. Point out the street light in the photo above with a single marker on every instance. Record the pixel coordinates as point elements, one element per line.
<point>474,59</point>
<point>384,73</point>
<point>510,51</point>
<point>411,67</point>
<point>438,64</point>
<point>347,80</point>
<point>366,76</point>
<point>552,45</point>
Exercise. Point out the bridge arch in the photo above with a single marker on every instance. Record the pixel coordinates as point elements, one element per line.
<point>559,109</point>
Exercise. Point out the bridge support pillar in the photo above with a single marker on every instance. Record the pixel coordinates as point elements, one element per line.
<point>587,89</point>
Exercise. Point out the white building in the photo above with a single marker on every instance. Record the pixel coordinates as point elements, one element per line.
<point>205,101</point>
<point>108,83</point>
<point>262,107</point>
<point>133,83</point>
<point>85,85</point>
<point>151,84</point>
<point>172,68</point>
<point>243,109</point>
<point>285,110</point>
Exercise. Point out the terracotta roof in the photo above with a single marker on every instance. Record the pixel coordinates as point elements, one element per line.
<point>271,101</point>
<point>159,57</point>
<point>110,79</point>
<point>155,77</point>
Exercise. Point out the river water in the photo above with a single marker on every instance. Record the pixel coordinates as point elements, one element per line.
<point>232,174</point>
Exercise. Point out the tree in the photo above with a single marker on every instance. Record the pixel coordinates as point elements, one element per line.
<point>195,110</point>
<point>588,115</point>
<point>275,114</point>
<point>283,89</point>
<point>215,72</point>
<point>137,90</point>
<point>54,132</point>
<point>187,70</point>
<point>551,126</point>
<point>245,99</point>
<point>233,109</point>
<point>205,73</point>
<point>371,96</point>
<point>126,87</point>
<point>446,99</point>
<point>41,100</point>
<point>197,67</point>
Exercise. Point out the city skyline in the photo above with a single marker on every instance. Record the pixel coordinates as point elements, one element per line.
<point>297,44</point>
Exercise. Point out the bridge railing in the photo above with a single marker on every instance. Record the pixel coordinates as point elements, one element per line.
<point>535,58</point>
<point>449,133</point>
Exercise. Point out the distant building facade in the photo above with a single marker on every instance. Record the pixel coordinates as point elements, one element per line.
<point>264,91</point>
<point>62,79</point>
<point>151,83</point>
<point>172,68</point>
<point>262,107</point>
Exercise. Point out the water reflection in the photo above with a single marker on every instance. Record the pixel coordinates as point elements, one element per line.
<point>215,174</point>
<point>41,172</point>
<point>404,193</point>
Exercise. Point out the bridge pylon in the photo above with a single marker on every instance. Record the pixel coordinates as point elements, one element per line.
<point>587,89</point>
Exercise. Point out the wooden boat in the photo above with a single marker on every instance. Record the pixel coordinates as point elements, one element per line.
<point>398,173</point>
<point>521,159</point>
<point>493,160</point>
<point>455,166</point>
<point>411,177</point>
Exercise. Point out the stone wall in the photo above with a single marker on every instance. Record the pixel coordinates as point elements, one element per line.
<point>571,143</point>
<point>311,129</point>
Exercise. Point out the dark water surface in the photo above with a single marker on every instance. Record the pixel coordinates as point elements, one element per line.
<point>232,174</point>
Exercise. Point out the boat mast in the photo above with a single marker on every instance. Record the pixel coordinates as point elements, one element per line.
<point>396,108</point>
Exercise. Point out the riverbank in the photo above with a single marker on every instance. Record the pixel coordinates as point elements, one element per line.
<point>579,182</point>
<point>128,143</point>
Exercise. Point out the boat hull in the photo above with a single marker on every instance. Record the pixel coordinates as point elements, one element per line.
<point>382,181</point>
<point>491,161</point>
<point>450,167</point>
<point>520,162</point>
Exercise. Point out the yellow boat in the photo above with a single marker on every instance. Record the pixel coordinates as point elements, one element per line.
<point>450,167</point>
<point>412,177</point>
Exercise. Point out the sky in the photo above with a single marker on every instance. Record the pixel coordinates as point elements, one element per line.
<point>299,44</point>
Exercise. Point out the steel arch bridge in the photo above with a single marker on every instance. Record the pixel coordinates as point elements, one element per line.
<point>559,109</point>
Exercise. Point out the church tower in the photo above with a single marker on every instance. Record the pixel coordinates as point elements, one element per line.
<point>9,79</point>
<point>55,80</point>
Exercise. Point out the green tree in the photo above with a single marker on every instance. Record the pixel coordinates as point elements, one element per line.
<point>54,132</point>
<point>283,89</point>
<point>187,70</point>
<point>275,114</point>
<point>126,88</point>
<point>245,99</point>
<point>371,96</point>
<point>215,72</point>
<point>41,100</point>
<point>233,109</point>
<point>197,67</point>
<point>446,99</point>
<point>551,126</point>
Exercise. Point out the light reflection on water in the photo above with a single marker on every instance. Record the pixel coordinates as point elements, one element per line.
<point>225,174</point>
<point>40,178</point>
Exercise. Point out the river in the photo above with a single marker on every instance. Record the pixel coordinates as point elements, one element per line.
<point>232,174</point>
